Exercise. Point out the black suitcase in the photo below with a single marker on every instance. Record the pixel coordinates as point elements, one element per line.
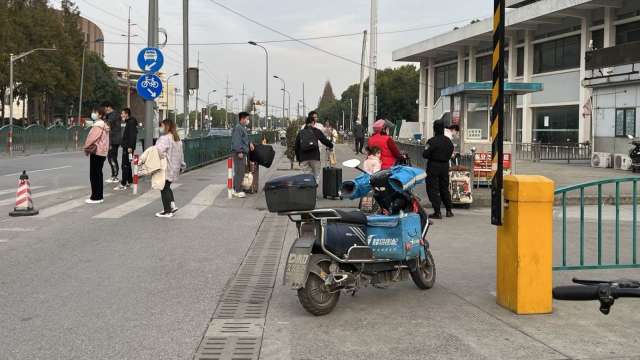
<point>331,182</point>
<point>263,155</point>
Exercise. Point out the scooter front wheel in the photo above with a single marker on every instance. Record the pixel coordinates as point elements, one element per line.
<point>315,296</point>
<point>425,274</point>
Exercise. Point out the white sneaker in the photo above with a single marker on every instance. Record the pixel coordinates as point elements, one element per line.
<point>89,201</point>
<point>174,208</point>
<point>163,214</point>
<point>112,180</point>
<point>121,187</point>
<point>239,195</point>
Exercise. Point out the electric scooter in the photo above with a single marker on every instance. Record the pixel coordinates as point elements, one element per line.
<point>634,154</point>
<point>338,251</point>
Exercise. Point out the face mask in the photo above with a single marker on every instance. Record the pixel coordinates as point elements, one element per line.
<point>161,131</point>
<point>94,116</point>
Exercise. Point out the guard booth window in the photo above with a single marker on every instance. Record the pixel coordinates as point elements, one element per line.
<point>446,76</point>
<point>556,125</point>
<point>477,126</point>
<point>627,33</point>
<point>625,122</point>
<point>557,55</point>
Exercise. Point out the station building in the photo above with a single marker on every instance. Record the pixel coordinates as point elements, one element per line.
<point>547,44</point>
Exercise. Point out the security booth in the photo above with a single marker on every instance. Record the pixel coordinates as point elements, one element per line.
<point>470,109</point>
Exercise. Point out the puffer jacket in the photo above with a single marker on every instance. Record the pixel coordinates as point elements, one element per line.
<point>99,135</point>
<point>390,153</point>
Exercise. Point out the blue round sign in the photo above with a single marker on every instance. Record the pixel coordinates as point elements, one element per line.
<point>150,60</point>
<point>149,86</point>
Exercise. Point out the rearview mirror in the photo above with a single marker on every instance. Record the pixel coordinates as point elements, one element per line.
<point>353,163</point>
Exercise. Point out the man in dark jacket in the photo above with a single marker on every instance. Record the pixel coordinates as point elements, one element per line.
<point>129,140</point>
<point>115,138</point>
<point>438,153</point>
<point>240,147</point>
<point>307,148</point>
<point>358,134</point>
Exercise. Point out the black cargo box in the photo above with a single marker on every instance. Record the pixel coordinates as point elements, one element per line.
<point>291,193</point>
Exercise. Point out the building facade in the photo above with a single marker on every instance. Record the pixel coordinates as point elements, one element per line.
<point>547,41</point>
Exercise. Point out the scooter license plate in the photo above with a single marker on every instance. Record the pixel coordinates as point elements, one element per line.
<point>296,269</point>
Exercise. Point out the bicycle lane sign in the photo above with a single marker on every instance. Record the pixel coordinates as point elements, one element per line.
<point>149,86</point>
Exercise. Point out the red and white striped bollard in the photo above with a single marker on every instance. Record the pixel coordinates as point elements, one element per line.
<point>230,178</point>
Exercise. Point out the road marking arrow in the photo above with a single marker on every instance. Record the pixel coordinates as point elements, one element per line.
<point>148,67</point>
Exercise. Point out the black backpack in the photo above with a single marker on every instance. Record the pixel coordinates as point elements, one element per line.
<point>308,140</point>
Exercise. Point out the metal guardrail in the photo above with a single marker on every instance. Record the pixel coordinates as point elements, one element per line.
<point>542,152</point>
<point>200,151</point>
<point>38,139</point>
<point>600,262</point>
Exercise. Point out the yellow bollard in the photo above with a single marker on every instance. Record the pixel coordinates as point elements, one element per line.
<point>524,251</point>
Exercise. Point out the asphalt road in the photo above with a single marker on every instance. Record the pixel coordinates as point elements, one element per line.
<point>112,281</point>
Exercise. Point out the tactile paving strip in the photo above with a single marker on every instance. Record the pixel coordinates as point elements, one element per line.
<point>237,326</point>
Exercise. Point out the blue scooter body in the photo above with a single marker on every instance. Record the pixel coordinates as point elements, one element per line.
<point>395,237</point>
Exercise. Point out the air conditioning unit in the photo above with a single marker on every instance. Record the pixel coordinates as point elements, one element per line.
<point>601,160</point>
<point>621,162</point>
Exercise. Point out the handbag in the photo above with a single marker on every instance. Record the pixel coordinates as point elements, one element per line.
<point>93,148</point>
<point>247,181</point>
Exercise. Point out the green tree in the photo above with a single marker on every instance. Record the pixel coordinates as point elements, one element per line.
<point>328,106</point>
<point>99,85</point>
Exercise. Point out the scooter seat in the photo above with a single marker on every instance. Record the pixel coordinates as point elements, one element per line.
<point>352,217</point>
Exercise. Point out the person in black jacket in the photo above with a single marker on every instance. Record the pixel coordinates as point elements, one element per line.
<point>438,153</point>
<point>129,140</point>
<point>115,138</point>
<point>307,148</point>
<point>358,134</point>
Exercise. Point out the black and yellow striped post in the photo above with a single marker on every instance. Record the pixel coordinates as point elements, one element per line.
<point>497,112</point>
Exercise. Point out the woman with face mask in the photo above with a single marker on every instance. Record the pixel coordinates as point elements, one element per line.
<point>170,148</point>
<point>96,147</point>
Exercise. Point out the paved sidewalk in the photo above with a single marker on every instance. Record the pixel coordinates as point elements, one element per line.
<point>457,319</point>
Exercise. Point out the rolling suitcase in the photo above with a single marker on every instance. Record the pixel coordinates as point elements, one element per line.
<point>331,182</point>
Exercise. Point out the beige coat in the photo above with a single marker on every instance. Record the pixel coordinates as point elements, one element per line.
<point>152,164</point>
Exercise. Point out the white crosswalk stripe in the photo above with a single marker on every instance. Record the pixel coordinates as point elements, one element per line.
<point>133,205</point>
<point>14,191</point>
<point>44,193</point>
<point>200,202</point>
<point>63,207</point>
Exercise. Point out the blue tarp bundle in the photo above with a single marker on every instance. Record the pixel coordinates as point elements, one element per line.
<point>402,178</point>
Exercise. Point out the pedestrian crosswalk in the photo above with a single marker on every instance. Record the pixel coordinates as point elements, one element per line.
<point>114,207</point>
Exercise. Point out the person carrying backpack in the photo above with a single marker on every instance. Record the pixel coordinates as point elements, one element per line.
<point>307,147</point>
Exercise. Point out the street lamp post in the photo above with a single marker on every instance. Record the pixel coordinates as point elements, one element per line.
<point>284,87</point>
<point>129,36</point>
<point>12,59</point>
<point>209,107</point>
<point>84,49</point>
<point>167,92</point>
<point>289,108</point>
<point>266,53</point>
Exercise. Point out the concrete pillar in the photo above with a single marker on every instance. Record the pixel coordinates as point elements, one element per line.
<point>431,77</point>
<point>609,27</point>
<point>584,121</point>
<point>461,55</point>
<point>472,64</point>
<point>527,111</point>
<point>513,52</point>
<point>422,96</point>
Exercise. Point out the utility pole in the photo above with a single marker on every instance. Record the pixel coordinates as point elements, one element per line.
<point>149,113</point>
<point>128,59</point>
<point>226,105</point>
<point>350,113</point>
<point>361,94</point>
<point>373,53</point>
<point>304,106</point>
<point>195,125</point>
<point>243,94</point>
<point>185,62</point>
<point>84,50</point>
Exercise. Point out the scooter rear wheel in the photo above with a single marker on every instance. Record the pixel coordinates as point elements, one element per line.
<point>315,296</point>
<point>425,275</point>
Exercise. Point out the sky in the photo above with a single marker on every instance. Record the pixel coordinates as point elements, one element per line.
<point>294,62</point>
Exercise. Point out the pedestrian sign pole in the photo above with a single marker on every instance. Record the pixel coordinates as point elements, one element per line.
<point>497,113</point>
